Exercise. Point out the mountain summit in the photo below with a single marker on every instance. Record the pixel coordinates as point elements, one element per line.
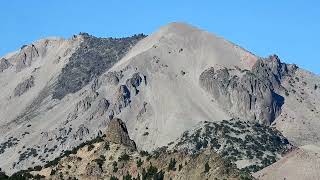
<point>58,93</point>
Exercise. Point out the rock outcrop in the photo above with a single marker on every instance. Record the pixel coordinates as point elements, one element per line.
<point>247,94</point>
<point>81,132</point>
<point>102,107</point>
<point>121,98</point>
<point>24,86</point>
<point>26,56</point>
<point>117,133</point>
<point>82,106</point>
<point>134,82</point>
<point>4,64</point>
<point>271,71</point>
<point>111,78</point>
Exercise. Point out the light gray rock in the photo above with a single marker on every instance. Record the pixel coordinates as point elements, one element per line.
<point>111,78</point>
<point>103,106</point>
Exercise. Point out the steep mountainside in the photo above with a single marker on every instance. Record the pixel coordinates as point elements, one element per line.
<point>57,94</point>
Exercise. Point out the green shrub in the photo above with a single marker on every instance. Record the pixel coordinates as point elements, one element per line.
<point>245,175</point>
<point>144,153</point>
<point>37,168</point>
<point>206,168</point>
<point>114,178</point>
<point>152,173</point>
<point>52,172</point>
<point>115,166</point>
<point>90,147</point>
<point>106,146</point>
<point>100,161</point>
<point>286,93</point>
<point>127,177</point>
<point>172,165</point>
<point>124,157</point>
<point>21,175</point>
<point>139,163</point>
<point>149,157</point>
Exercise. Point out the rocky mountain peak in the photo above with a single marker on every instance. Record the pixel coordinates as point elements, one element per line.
<point>57,94</point>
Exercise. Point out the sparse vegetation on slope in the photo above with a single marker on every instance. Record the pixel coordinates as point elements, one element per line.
<point>119,161</point>
<point>130,164</point>
<point>250,145</point>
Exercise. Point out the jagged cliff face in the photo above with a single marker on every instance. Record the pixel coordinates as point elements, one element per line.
<point>57,93</point>
<point>249,94</point>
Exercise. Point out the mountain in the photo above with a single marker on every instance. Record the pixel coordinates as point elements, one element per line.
<point>58,93</point>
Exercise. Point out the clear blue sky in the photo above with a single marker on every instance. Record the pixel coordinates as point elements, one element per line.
<point>289,28</point>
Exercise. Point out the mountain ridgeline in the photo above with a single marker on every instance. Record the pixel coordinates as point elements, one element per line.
<point>179,103</point>
<point>94,57</point>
